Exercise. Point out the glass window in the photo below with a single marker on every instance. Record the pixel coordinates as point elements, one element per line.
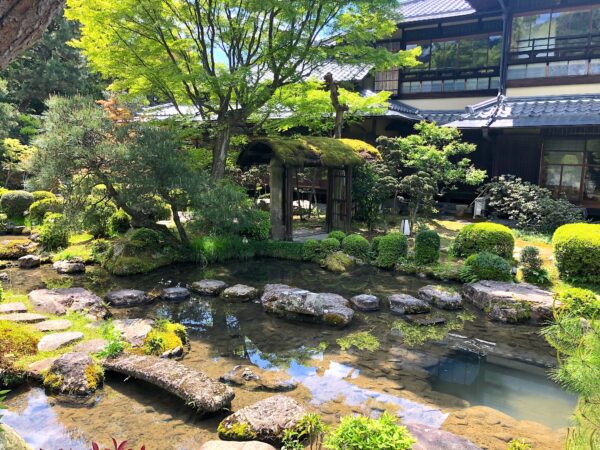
<point>558,69</point>
<point>471,84</point>
<point>595,67</point>
<point>495,50</point>
<point>537,70</point>
<point>540,31</point>
<point>444,54</point>
<point>495,83</point>
<point>483,83</point>
<point>578,67</point>
<point>426,86</point>
<point>436,86</point>
<point>405,88</point>
<point>517,72</point>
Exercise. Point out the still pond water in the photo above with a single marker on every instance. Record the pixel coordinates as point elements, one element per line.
<point>479,378</point>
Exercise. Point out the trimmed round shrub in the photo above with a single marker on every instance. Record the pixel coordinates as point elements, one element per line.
<point>54,233</point>
<point>375,245</point>
<point>96,217</point>
<point>16,203</point>
<point>41,195</point>
<point>580,303</point>
<point>145,237</point>
<point>329,246</point>
<point>39,209</point>
<point>119,222</point>
<point>390,249</point>
<point>336,234</point>
<point>311,250</point>
<point>485,237</point>
<point>486,266</point>
<point>427,247</point>
<point>577,252</point>
<point>357,246</point>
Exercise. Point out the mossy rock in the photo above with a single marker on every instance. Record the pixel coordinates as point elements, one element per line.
<point>337,262</point>
<point>165,337</point>
<point>74,374</point>
<point>14,249</point>
<point>236,432</point>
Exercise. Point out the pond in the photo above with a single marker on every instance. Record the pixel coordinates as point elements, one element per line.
<point>486,381</point>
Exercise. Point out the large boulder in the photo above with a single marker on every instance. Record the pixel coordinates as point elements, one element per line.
<point>365,302</point>
<point>240,293</point>
<point>441,297</point>
<point>511,303</point>
<point>433,439</point>
<point>62,301</point>
<point>211,288</point>
<point>134,331</point>
<point>254,379</point>
<point>74,374</point>
<point>125,298</point>
<point>228,445</point>
<point>10,440</point>
<point>264,421</point>
<point>69,267</point>
<point>300,304</point>
<point>51,342</point>
<point>402,304</point>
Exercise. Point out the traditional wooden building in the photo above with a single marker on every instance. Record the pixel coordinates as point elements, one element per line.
<point>521,78</point>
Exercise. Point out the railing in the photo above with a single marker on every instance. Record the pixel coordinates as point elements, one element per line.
<point>582,46</point>
<point>449,74</point>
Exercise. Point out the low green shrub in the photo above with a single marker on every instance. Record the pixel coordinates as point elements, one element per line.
<point>310,430</point>
<point>531,265</point>
<point>336,262</point>
<point>336,234</point>
<point>257,226</point>
<point>390,249</point>
<point>329,246</point>
<point>427,247</point>
<point>145,237</point>
<point>311,250</point>
<point>223,248</point>
<point>580,302</point>
<point>100,248</point>
<point>54,233</point>
<point>293,251</point>
<point>119,222</point>
<point>41,195</point>
<point>485,237</point>
<point>486,266</point>
<point>16,203</point>
<point>357,246</point>
<point>375,245</point>
<point>96,216</point>
<point>39,209</point>
<point>360,432</point>
<point>577,252</point>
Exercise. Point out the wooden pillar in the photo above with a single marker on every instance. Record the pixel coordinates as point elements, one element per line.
<point>288,202</point>
<point>348,198</point>
<point>276,181</point>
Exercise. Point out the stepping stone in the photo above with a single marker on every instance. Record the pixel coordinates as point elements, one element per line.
<point>127,297</point>
<point>37,369</point>
<point>69,267</point>
<point>194,387</point>
<point>175,294</point>
<point>365,302</point>
<point>134,331</point>
<point>54,325</point>
<point>91,347</point>
<point>9,308</point>
<point>74,374</point>
<point>240,293</point>
<point>52,342</point>
<point>62,301</point>
<point>209,287</point>
<point>441,297</point>
<point>402,304</point>
<point>254,379</point>
<point>23,317</point>
<point>30,262</point>
<point>425,321</point>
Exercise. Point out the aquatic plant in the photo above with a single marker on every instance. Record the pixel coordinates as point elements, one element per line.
<point>360,432</point>
<point>519,444</point>
<point>311,430</point>
<point>57,283</point>
<point>362,340</point>
<point>414,334</point>
<point>116,446</point>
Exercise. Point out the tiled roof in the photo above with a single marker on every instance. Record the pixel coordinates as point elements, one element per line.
<point>421,10</point>
<point>515,112</point>
<point>342,72</point>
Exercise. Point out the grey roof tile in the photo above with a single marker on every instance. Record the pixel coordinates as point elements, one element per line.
<point>421,10</point>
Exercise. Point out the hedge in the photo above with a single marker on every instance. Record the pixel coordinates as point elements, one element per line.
<point>390,249</point>
<point>485,237</point>
<point>427,247</point>
<point>577,252</point>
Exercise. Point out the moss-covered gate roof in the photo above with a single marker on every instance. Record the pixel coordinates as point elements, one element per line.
<point>308,151</point>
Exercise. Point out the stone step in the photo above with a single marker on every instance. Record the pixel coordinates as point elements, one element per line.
<point>55,341</point>
<point>54,325</point>
<point>23,317</point>
<point>15,307</point>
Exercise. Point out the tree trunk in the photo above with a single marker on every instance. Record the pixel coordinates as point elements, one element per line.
<point>339,108</point>
<point>220,151</point>
<point>22,23</point>
<point>180,228</point>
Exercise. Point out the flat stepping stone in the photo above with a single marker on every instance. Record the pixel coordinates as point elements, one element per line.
<point>134,331</point>
<point>195,388</point>
<point>23,317</point>
<point>425,321</point>
<point>175,294</point>
<point>54,325</point>
<point>9,308</point>
<point>61,301</point>
<point>211,288</point>
<point>39,368</point>
<point>30,262</point>
<point>240,293</point>
<point>127,297</point>
<point>402,304</point>
<point>52,342</point>
<point>91,347</point>
<point>441,297</point>
<point>69,267</point>
<point>365,302</point>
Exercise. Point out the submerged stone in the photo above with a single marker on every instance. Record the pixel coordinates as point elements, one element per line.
<point>240,293</point>
<point>433,439</point>
<point>74,374</point>
<point>124,298</point>
<point>10,439</point>
<point>266,420</point>
<point>254,379</point>
<point>365,302</point>
<point>303,305</point>
<point>402,304</point>
<point>62,301</point>
<point>211,288</point>
<point>441,297</point>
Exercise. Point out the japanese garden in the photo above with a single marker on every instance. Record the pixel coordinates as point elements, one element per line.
<point>310,224</point>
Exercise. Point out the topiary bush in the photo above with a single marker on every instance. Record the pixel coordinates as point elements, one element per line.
<point>16,203</point>
<point>311,250</point>
<point>577,252</point>
<point>41,195</point>
<point>336,234</point>
<point>39,209</point>
<point>96,216</point>
<point>485,237</point>
<point>531,265</point>
<point>145,237</point>
<point>486,266</point>
<point>390,249</point>
<point>357,246</point>
<point>119,222</point>
<point>427,247</point>
<point>329,246</point>
<point>54,233</point>
<point>360,432</point>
